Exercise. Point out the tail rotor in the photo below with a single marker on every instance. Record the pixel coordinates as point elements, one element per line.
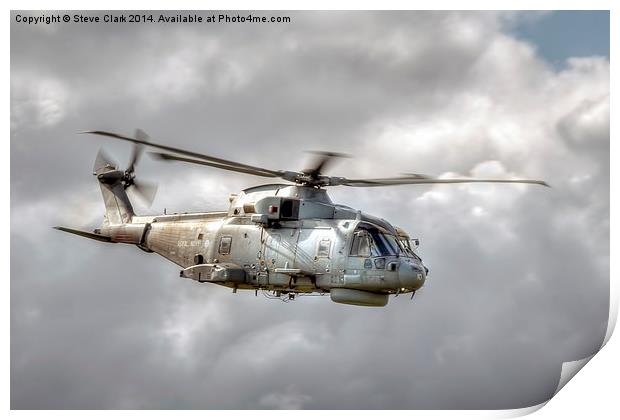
<point>145,191</point>
<point>107,172</point>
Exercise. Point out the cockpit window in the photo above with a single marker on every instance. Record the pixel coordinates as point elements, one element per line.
<point>408,248</point>
<point>361,244</point>
<point>372,242</point>
<point>405,245</point>
<point>389,245</point>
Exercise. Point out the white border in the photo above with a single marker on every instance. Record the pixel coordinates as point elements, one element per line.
<point>594,391</point>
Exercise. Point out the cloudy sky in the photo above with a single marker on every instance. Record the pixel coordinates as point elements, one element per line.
<point>519,275</point>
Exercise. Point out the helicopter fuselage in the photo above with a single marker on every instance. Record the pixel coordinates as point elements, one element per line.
<point>286,239</point>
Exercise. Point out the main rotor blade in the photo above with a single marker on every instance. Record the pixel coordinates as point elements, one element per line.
<point>167,156</point>
<point>321,162</point>
<point>185,152</point>
<point>380,182</point>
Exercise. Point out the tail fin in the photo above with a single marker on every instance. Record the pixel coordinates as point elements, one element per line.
<point>118,208</point>
<point>113,183</point>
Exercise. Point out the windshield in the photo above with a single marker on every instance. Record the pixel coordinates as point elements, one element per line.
<point>386,244</point>
<point>408,247</point>
<point>374,243</point>
<point>405,245</point>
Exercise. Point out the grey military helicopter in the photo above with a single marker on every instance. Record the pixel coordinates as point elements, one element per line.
<point>284,240</point>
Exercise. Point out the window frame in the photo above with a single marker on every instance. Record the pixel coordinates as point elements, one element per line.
<point>224,239</point>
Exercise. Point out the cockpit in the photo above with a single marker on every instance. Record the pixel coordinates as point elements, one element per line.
<point>382,256</point>
<point>370,241</point>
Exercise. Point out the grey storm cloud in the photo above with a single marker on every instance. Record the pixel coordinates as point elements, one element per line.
<point>519,279</point>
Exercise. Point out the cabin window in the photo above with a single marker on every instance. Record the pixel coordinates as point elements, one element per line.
<point>225,243</point>
<point>324,247</point>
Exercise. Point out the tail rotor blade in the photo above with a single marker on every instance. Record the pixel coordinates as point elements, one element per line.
<point>145,191</point>
<point>103,161</point>
<point>137,149</point>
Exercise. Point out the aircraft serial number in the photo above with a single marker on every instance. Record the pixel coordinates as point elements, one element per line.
<point>182,244</point>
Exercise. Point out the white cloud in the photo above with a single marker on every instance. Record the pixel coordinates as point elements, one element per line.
<point>38,101</point>
<point>188,321</point>
<point>281,340</point>
<point>289,399</point>
<point>200,69</point>
<point>588,124</point>
<point>75,208</point>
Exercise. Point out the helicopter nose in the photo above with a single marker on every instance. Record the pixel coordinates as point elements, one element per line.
<point>412,275</point>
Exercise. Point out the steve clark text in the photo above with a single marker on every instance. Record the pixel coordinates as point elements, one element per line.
<point>125,17</point>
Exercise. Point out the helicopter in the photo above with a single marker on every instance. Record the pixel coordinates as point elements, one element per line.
<point>283,239</point>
